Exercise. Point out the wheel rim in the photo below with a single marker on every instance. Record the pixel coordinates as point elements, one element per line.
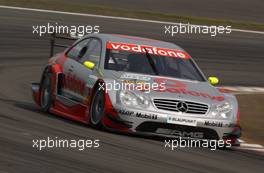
<point>45,95</point>
<point>97,110</point>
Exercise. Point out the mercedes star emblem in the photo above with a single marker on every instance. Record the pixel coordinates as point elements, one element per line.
<point>182,107</point>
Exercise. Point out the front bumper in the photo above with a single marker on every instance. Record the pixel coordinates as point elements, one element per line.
<point>180,125</point>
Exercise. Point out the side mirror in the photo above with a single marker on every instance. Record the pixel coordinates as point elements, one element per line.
<point>89,64</point>
<point>213,80</point>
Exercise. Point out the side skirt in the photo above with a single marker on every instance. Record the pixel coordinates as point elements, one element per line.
<point>66,107</point>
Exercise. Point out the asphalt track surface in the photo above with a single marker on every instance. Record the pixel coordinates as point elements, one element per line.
<point>236,58</point>
<point>241,10</point>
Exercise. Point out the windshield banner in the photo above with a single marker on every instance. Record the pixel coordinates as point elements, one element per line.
<point>151,50</point>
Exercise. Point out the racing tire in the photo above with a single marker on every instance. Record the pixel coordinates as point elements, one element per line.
<point>45,93</point>
<point>97,109</point>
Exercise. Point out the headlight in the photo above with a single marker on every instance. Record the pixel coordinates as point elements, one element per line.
<point>221,110</point>
<point>131,99</point>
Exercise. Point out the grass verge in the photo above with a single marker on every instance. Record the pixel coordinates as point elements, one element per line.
<point>106,10</point>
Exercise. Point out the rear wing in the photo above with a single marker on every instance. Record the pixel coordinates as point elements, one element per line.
<point>54,38</point>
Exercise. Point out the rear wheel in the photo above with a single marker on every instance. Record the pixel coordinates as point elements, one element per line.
<point>45,93</point>
<point>97,109</point>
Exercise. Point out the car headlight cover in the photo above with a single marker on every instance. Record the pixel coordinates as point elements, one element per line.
<point>132,99</point>
<point>222,110</point>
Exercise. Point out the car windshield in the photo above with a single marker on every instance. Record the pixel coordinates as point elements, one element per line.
<point>127,61</point>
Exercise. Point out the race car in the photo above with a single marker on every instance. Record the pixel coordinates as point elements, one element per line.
<point>136,85</point>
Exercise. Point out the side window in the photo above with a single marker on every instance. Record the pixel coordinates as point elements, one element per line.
<point>93,52</point>
<point>79,50</point>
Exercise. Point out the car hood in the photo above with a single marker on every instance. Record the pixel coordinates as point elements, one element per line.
<point>174,88</point>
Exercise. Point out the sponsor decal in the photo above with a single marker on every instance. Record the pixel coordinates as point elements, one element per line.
<point>213,123</point>
<point>182,121</point>
<point>138,114</point>
<point>125,112</point>
<point>135,77</point>
<point>133,82</point>
<point>179,133</point>
<point>71,82</point>
<point>150,49</point>
<point>146,116</point>
<point>170,83</point>
<point>219,124</point>
<point>174,86</point>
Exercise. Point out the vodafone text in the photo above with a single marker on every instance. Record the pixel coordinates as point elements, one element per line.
<point>150,49</point>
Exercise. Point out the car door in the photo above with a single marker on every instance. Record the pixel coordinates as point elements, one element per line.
<point>77,76</point>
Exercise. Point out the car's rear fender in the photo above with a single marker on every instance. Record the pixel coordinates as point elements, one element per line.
<point>54,70</point>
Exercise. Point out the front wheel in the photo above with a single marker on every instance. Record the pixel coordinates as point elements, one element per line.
<point>97,109</point>
<point>45,93</point>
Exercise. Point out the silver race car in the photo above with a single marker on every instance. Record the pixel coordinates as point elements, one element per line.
<point>136,85</point>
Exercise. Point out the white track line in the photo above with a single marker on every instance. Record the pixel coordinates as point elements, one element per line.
<point>259,150</point>
<point>241,141</point>
<point>242,89</point>
<point>113,17</point>
<point>249,147</point>
<point>246,145</point>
